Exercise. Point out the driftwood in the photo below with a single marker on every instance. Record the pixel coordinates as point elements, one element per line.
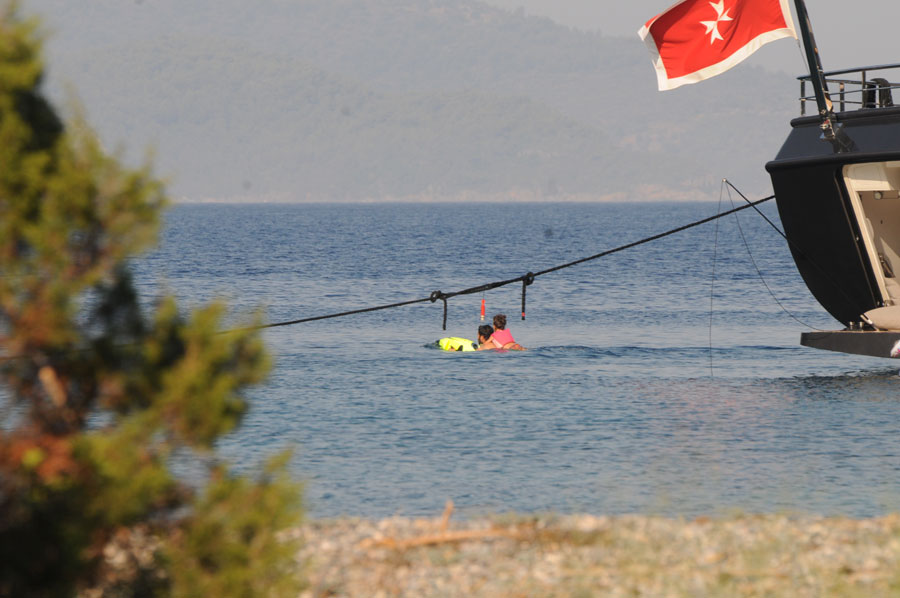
<point>443,535</point>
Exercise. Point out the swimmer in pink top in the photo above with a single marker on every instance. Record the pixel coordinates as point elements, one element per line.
<point>502,338</point>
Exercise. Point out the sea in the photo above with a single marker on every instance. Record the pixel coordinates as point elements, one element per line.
<point>666,379</point>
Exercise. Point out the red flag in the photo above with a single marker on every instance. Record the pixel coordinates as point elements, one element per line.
<point>698,39</point>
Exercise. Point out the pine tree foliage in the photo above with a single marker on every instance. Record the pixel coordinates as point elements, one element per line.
<point>97,397</point>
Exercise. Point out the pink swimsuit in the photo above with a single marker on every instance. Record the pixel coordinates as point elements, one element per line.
<point>502,337</point>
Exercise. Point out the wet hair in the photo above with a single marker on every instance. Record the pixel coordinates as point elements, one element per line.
<point>500,322</point>
<point>485,330</point>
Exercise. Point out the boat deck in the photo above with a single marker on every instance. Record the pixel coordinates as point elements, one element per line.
<point>874,343</point>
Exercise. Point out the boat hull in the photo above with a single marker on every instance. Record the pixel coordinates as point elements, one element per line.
<point>821,220</point>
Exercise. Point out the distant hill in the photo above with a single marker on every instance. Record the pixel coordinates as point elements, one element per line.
<point>352,99</point>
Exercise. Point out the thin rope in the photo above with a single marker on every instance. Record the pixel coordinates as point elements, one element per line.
<point>340,315</point>
<point>824,272</point>
<point>712,282</point>
<point>804,66</point>
<point>759,272</point>
<point>763,216</point>
<point>750,204</point>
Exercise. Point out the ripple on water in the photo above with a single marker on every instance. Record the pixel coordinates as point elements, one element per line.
<point>626,401</point>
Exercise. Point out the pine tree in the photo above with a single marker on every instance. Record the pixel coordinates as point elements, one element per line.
<point>97,397</point>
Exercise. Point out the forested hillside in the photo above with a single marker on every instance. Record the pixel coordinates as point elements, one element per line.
<point>352,99</point>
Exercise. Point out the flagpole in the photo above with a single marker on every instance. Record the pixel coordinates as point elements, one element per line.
<point>816,73</point>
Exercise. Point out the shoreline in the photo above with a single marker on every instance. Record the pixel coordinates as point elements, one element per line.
<point>577,556</point>
<point>640,193</point>
<point>572,556</point>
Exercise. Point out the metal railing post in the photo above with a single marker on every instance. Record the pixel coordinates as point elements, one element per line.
<point>851,97</point>
<point>802,97</point>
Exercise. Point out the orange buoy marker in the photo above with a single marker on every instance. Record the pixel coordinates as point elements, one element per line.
<point>482,309</point>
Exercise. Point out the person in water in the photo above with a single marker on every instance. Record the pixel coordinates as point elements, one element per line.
<point>484,333</point>
<point>502,338</point>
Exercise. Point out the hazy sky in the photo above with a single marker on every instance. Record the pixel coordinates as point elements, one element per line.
<point>849,34</point>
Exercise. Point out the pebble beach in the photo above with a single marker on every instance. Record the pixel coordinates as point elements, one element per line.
<point>584,555</point>
<point>574,556</point>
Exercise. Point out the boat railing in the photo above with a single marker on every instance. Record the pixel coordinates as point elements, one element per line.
<point>863,88</point>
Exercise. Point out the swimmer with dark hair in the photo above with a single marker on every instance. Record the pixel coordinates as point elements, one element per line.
<point>484,333</point>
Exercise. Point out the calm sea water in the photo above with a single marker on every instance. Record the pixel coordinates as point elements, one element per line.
<point>638,394</point>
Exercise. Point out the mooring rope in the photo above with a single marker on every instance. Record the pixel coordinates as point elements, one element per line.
<point>826,274</point>
<point>756,266</point>
<point>712,281</point>
<point>526,279</point>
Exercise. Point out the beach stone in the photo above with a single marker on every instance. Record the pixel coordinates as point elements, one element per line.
<point>576,557</point>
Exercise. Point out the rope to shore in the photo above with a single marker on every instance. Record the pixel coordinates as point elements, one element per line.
<point>526,279</point>
<point>712,281</point>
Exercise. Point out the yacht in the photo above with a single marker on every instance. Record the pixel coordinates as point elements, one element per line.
<point>837,185</point>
